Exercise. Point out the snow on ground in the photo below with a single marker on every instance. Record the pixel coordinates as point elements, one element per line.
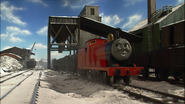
<point>8,63</point>
<point>69,89</point>
<point>65,88</point>
<point>1,71</point>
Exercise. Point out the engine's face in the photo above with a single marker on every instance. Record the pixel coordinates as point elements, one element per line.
<point>121,49</point>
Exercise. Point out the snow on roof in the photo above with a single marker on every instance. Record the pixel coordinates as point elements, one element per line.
<point>144,23</point>
<point>11,55</point>
<point>16,55</point>
<point>140,25</point>
<point>15,47</point>
<point>65,16</point>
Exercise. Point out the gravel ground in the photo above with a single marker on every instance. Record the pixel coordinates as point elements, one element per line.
<point>68,89</point>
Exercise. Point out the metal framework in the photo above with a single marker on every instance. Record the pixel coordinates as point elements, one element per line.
<point>62,30</point>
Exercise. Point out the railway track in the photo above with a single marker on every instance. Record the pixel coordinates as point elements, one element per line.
<point>3,78</point>
<point>36,89</point>
<point>6,75</point>
<point>24,91</point>
<point>156,97</point>
<point>148,95</point>
<point>171,81</point>
<point>15,86</point>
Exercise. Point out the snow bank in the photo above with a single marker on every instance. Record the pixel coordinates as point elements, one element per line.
<point>1,71</point>
<point>8,63</point>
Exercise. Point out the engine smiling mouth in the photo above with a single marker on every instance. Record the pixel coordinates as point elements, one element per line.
<point>123,53</point>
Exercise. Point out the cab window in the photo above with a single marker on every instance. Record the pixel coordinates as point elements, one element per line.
<point>92,42</point>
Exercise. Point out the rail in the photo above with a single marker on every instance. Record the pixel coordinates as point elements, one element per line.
<point>13,76</point>
<point>162,93</point>
<point>36,89</point>
<point>15,87</point>
<point>162,100</point>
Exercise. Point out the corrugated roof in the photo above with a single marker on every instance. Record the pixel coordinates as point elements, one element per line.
<point>144,23</point>
<point>173,9</point>
<point>28,50</point>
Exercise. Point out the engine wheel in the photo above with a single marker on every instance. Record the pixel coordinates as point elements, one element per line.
<point>104,78</point>
<point>82,71</point>
<point>99,76</point>
<point>117,79</point>
<point>87,73</point>
<point>111,80</point>
<point>93,75</point>
<point>127,80</point>
<point>146,73</point>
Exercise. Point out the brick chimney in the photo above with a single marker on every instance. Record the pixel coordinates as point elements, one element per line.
<point>151,9</point>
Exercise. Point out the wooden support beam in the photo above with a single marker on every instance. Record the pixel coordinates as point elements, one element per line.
<point>66,49</point>
<point>70,33</point>
<point>52,29</point>
<point>78,32</point>
<point>49,51</point>
<point>57,34</point>
<point>64,44</point>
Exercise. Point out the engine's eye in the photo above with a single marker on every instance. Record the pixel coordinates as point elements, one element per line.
<point>117,45</point>
<point>126,45</point>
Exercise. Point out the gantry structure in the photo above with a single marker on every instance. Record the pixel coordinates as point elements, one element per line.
<point>71,33</point>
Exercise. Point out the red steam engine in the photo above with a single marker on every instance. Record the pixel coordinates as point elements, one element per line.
<point>107,60</point>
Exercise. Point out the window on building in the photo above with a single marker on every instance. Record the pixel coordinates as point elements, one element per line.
<point>92,11</point>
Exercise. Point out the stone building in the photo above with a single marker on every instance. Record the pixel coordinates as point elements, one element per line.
<point>91,12</point>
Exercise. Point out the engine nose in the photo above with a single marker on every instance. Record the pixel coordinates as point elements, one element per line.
<point>121,49</point>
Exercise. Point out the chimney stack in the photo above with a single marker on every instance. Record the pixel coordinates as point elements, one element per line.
<point>151,9</point>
